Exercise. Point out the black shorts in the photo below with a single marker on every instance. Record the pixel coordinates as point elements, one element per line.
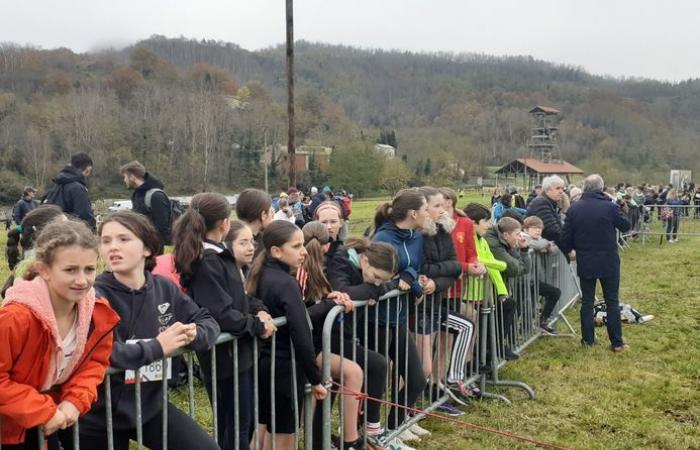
<point>284,395</point>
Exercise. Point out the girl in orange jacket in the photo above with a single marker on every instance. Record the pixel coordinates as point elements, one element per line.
<point>55,339</point>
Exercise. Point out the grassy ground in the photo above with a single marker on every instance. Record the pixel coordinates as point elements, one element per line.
<point>648,397</point>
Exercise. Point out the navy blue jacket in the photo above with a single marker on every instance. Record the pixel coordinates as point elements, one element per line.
<point>22,207</point>
<point>547,209</point>
<point>144,314</point>
<point>409,249</point>
<point>590,229</point>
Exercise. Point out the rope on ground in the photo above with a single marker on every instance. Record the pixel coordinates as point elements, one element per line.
<point>364,397</point>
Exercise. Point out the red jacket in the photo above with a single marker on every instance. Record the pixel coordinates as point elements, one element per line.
<point>28,358</point>
<point>463,240</point>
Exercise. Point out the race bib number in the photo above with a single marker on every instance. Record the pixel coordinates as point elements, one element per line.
<point>151,372</point>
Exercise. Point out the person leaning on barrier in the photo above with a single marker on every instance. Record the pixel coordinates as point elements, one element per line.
<point>532,232</point>
<point>55,340</point>
<point>591,230</point>
<point>271,281</point>
<point>320,298</point>
<point>546,207</point>
<point>509,246</point>
<point>361,268</point>
<point>398,223</point>
<point>439,272</point>
<point>209,274</point>
<point>157,320</point>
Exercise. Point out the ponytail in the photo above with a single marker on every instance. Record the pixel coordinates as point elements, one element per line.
<point>26,233</point>
<point>12,251</point>
<point>405,201</point>
<point>255,273</point>
<point>380,255</point>
<point>317,285</point>
<point>204,214</point>
<point>275,235</point>
<point>189,232</point>
<point>382,214</point>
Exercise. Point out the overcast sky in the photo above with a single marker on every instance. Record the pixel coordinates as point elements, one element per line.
<point>644,38</point>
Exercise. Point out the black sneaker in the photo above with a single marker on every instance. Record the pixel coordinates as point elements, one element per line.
<point>357,445</point>
<point>510,355</point>
<point>546,329</point>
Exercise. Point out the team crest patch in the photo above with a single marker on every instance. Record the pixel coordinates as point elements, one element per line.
<point>163,307</point>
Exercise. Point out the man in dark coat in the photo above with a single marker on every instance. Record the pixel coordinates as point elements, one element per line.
<point>24,205</point>
<point>591,230</point>
<point>546,207</point>
<point>71,192</point>
<point>148,198</point>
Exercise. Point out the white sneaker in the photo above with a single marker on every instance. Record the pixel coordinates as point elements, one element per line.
<point>406,435</point>
<point>646,318</point>
<point>397,444</point>
<point>419,430</point>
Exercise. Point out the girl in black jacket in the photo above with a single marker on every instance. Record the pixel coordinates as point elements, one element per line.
<point>157,319</point>
<point>272,282</point>
<point>440,270</point>
<point>360,268</point>
<point>209,274</point>
<point>316,289</point>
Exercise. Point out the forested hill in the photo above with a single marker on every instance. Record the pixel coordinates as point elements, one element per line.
<point>198,112</point>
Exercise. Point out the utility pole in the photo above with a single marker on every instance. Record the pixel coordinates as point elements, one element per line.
<point>291,146</point>
<point>267,189</point>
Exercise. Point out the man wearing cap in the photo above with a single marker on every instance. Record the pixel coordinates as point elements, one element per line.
<point>24,205</point>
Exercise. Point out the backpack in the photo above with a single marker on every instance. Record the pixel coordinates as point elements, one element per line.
<point>176,208</point>
<point>666,213</point>
<point>347,203</point>
<point>341,204</point>
<point>55,197</point>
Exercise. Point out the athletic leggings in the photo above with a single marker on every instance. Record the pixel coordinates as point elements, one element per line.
<point>407,367</point>
<point>463,331</point>
<point>183,434</point>
<point>374,372</point>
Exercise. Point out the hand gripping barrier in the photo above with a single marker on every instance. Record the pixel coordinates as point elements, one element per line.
<point>413,353</point>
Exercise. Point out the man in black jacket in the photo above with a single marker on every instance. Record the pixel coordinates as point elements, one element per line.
<point>71,192</point>
<point>546,207</point>
<point>24,205</point>
<point>148,198</point>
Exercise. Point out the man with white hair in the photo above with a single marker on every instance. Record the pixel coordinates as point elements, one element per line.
<point>546,207</point>
<point>590,229</point>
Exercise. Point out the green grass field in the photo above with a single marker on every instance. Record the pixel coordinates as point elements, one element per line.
<point>648,397</point>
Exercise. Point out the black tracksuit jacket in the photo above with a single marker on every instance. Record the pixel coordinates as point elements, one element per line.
<point>144,314</point>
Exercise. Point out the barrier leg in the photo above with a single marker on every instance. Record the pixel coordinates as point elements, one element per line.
<point>495,381</point>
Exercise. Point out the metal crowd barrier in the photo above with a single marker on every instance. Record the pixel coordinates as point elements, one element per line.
<point>223,339</point>
<point>649,223</point>
<point>482,362</point>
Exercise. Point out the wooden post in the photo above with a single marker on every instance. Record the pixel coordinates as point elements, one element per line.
<point>291,146</point>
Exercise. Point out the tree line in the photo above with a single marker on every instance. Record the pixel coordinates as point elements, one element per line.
<point>199,113</point>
